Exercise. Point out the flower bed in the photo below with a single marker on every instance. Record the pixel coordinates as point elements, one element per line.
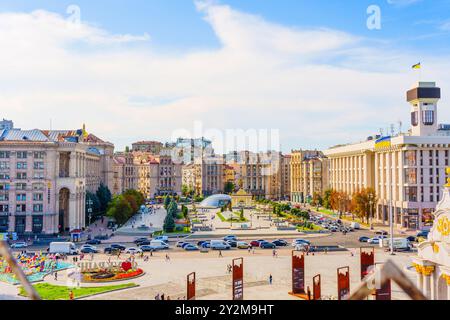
<point>111,275</point>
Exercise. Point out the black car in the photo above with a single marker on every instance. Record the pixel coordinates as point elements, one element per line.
<point>118,246</point>
<point>144,243</point>
<point>280,243</point>
<point>267,245</point>
<point>232,243</point>
<point>139,240</point>
<point>93,242</point>
<point>412,239</point>
<point>201,242</point>
<point>364,239</point>
<point>88,250</point>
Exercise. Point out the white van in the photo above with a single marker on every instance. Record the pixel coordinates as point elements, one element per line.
<point>158,245</point>
<point>219,245</point>
<point>63,247</point>
<point>355,225</point>
<point>400,244</point>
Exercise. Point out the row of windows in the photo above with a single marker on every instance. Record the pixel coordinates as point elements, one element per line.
<point>22,186</point>
<point>22,154</point>
<point>427,118</point>
<point>22,208</point>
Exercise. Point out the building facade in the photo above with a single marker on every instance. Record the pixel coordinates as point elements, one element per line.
<point>152,147</point>
<point>405,170</point>
<point>44,176</point>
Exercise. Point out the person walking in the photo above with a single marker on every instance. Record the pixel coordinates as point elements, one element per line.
<point>56,276</point>
<point>71,295</point>
<point>274,253</point>
<point>249,249</point>
<point>220,254</point>
<point>270,279</point>
<point>157,297</point>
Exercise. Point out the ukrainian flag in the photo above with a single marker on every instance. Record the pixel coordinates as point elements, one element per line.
<point>384,142</point>
<point>417,66</point>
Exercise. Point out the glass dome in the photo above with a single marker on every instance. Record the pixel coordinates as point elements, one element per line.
<point>216,201</point>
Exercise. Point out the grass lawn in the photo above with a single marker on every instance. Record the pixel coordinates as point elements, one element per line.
<point>51,292</point>
<point>236,219</point>
<point>345,218</point>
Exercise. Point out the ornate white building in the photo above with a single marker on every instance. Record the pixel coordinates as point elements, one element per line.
<point>433,261</point>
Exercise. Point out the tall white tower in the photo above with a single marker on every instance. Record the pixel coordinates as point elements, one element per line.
<point>423,98</point>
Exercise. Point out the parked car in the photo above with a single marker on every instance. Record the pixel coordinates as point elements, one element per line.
<point>280,243</point>
<point>19,245</point>
<point>242,245</point>
<point>374,240</point>
<point>355,225</point>
<point>219,245</point>
<point>232,243</point>
<point>363,239</point>
<point>146,248</point>
<point>190,247</point>
<point>159,245</point>
<point>109,250</point>
<point>230,237</point>
<point>162,238</point>
<point>256,243</point>
<point>180,244</point>
<point>118,246</point>
<point>412,239</point>
<point>381,233</point>
<point>201,242</point>
<point>267,245</point>
<point>88,250</point>
<point>206,244</point>
<point>133,250</point>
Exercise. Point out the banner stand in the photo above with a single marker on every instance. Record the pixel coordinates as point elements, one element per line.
<point>238,279</point>
<point>343,282</point>
<point>317,291</point>
<point>298,275</point>
<point>190,286</point>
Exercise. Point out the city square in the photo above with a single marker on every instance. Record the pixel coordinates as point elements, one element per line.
<point>225,151</point>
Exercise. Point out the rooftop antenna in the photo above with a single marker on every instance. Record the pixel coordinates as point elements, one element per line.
<point>381,131</point>
<point>392,130</point>
<point>400,124</point>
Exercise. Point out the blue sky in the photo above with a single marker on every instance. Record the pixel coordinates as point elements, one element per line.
<point>260,59</point>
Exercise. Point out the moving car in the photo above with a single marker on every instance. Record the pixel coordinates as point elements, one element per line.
<point>139,240</point>
<point>146,248</point>
<point>363,239</point>
<point>190,247</point>
<point>376,240</point>
<point>94,241</point>
<point>88,250</point>
<point>118,246</point>
<point>412,239</point>
<point>267,245</point>
<point>180,244</point>
<point>206,244</point>
<point>219,245</point>
<point>300,241</point>
<point>280,243</point>
<point>355,225</point>
<point>256,243</point>
<point>133,250</point>
<point>163,238</point>
<point>230,237</point>
<point>19,245</point>
<point>88,246</point>
<point>109,250</point>
<point>242,245</point>
<point>144,243</point>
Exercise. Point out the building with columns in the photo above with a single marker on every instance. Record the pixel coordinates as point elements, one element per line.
<point>308,173</point>
<point>405,169</point>
<point>432,263</point>
<point>44,176</point>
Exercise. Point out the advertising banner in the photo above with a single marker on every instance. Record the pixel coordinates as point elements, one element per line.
<point>238,279</point>
<point>298,272</point>
<point>343,280</point>
<point>367,256</point>
<point>383,292</point>
<point>191,286</point>
<point>317,294</point>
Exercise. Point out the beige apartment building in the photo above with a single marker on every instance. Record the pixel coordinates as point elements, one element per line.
<point>309,174</point>
<point>407,170</point>
<point>44,176</point>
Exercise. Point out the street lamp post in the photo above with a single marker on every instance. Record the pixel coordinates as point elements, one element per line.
<point>90,203</point>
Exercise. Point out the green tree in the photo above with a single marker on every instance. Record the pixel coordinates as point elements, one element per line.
<point>185,211</point>
<point>169,223</point>
<point>172,209</point>
<point>229,187</point>
<point>127,149</point>
<point>137,196</point>
<point>326,200</point>
<point>167,201</point>
<point>241,215</point>
<point>104,196</point>
<point>120,209</point>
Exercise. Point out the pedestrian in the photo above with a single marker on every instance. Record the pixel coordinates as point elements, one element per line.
<point>249,249</point>
<point>274,253</point>
<point>71,295</point>
<point>157,297</point>
<point>270,279</point>
<point>326,250</point>
<point>220,254</point>
<point>56,276</point>
<point>162,296</point>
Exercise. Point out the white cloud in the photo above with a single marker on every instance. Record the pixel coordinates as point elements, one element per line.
<point>403,3</point>
<point>318,86</point>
